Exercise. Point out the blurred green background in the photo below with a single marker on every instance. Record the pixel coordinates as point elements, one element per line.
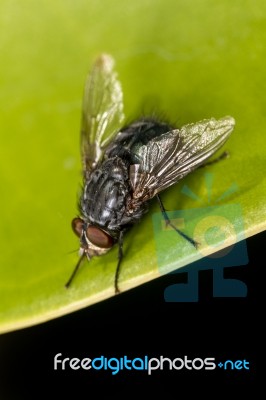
<point>183,59</point>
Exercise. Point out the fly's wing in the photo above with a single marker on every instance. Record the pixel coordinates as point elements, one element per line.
<point>171,156</point>
<point>102,111</point>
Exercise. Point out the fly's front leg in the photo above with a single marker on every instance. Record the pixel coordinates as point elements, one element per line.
<point>120,257</point>
<point>75,270</point>
<point>169,223</point>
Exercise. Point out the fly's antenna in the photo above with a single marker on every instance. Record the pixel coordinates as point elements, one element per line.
<point>75,270</point>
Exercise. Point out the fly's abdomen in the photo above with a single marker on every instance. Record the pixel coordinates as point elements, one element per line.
<point>105,193</point>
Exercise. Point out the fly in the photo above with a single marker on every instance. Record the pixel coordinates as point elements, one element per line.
<point>124,168</point>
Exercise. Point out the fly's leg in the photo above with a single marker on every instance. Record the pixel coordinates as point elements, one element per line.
<point>169,223</point>
<point>224,155</point>
<point>120,257</point>
<point>75,270</point>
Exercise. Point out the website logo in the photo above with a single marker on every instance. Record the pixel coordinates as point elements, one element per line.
<point>148,364</point>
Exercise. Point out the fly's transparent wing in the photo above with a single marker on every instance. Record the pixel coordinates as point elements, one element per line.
<point>171,156</point>
<point>102,111</point>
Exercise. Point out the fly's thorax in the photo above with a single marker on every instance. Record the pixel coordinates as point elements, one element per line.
<point>103,200</point>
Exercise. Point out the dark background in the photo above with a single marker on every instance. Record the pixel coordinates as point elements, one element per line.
<point>138,323</point>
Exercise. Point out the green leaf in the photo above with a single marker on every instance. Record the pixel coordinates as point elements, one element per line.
<point>189,60</point>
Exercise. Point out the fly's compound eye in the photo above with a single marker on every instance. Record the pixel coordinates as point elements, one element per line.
<point>99,238</point>
<point>77,226</point>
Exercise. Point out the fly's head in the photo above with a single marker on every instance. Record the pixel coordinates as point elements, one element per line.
<point>93,240</point>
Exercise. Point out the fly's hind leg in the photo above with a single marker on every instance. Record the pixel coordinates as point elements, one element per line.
<point>224,155</point>
<point>169,223</point>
